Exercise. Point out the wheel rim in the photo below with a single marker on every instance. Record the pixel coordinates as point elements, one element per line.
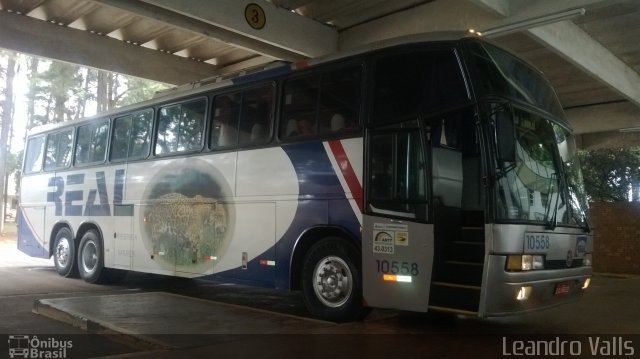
<point>63,252</point>
<point>332,281</point>
<point>89,257</point>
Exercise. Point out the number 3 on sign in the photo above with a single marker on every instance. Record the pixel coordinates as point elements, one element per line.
<point>255,16</point>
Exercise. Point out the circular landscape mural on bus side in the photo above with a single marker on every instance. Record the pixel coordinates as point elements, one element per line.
<point>185,221</point>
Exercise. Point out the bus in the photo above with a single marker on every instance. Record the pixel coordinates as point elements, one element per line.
<point>433,172</point>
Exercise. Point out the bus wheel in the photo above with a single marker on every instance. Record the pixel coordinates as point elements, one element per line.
<point>91,258</point>
<point>331,281</point>
<point>64,253</point>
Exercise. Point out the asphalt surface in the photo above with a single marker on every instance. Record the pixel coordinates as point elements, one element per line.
<point>608,313</point>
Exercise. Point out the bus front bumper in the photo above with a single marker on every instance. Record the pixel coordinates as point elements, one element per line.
<point>508,293</point>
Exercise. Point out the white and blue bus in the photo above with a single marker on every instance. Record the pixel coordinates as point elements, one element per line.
<point>427,173</point>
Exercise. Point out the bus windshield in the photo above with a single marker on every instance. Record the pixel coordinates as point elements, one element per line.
<point>498,73</point>
<point>541,182</point>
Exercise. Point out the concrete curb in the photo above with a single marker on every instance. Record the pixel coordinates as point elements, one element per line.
<point>139,341</point>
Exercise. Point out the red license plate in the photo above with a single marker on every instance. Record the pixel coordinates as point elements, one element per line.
<point>562,288</point>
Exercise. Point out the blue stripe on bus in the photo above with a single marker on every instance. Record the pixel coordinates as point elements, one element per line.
<point>322,201</point>
<point>316,178</point>
<point>27,240</point>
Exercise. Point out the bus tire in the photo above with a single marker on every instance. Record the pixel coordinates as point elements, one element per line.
<point>331,281</point>
<point>64,253</point>
<point>91,258</point>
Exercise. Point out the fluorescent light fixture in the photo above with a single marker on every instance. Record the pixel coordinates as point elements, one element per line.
<point>630,129</point>
<point>533,22</point>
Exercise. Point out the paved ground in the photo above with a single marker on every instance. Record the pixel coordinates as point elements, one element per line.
<point>609,311</point>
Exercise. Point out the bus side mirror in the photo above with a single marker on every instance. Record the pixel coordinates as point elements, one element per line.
<point>505,138</point>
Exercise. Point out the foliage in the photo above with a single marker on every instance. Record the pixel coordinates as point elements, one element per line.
<point>58,92</point>
<point>139,90</point>
<point>610,174</point>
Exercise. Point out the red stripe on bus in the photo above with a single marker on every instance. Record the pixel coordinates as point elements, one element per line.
<point>347,171</point>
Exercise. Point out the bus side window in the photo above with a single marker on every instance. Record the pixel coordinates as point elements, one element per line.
<point>140,140</point>
<point>424,81</point>
<point>225,116</point>
<point>120,138</point>
<point>340,101</point>
<point>300,107</point>
<point>131,136</point>
<point>180,127</point>
<point>256,119</point>
<point>58,150</point>
<point>33,159</point>
<point>91,145</point>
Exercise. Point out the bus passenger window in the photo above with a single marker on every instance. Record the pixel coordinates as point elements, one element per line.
<point>180,128</point>
<point>33,159</point>
<point>91,146</point>
<point>58,149</point>
<point>300,107</point>
<point>131,136</point>
<point>340,101</point>
<point>225,116</point>
<point>256,119</point>
<point>322,104</point>
<point>414,83</point>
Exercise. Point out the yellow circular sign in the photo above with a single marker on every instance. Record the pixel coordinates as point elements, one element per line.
<point>255,16</point>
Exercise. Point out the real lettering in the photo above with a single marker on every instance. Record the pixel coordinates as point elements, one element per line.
<point>97,203</point>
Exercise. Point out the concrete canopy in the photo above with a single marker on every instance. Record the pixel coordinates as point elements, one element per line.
<point>592,60</point>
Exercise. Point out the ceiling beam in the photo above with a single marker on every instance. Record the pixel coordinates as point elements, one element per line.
<point>611,139</point>
<point>36,37</point>
<point>590,119</point>
<point>500,7</point>
<point>576,46</point>
<point>573,44</point>
<point>442,15</point>
<point>283,29</point>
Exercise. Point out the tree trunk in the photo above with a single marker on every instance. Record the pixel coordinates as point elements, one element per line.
<point>7,111</point>
<point>31,104</point>
<point>102,96</point>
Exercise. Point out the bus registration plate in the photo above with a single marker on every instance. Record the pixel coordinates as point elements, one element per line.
<point>562,288</point>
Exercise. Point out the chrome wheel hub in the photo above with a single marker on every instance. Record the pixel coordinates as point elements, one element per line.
<point>62,252</point>
<point>89,257</point>
<point>333,281</point>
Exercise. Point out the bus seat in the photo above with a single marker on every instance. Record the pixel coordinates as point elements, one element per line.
<point>227,135</point>
<point>258,133</point>
<point>292,128</point>
<point>337,122</point>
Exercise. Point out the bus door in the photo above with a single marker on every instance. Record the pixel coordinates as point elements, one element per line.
<point>397,243</point>
<point>458,213</point>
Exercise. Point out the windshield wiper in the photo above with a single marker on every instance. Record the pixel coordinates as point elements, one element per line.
<point>501,172</point>
<point>551,222</point>
<point>586,227</point>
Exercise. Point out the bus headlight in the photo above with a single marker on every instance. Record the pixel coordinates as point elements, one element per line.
<point>525,262</point>
<point>586,261</point>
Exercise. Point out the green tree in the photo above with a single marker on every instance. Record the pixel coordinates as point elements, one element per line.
<point>610,174</point>
<point>139,90</point>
